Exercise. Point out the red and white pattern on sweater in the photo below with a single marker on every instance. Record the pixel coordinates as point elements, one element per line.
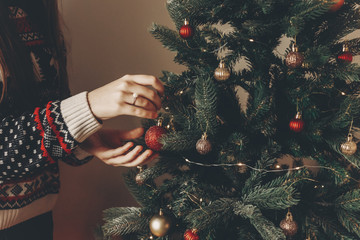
<point>28,32</point>
<point>15,195</point>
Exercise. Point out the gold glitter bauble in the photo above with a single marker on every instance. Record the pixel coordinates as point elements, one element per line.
<point>294,59</point>
<point>203,145</point>
<point>222,73</point>
<point>159,225</point>
<point>349,147</point>
<point>288,225</point>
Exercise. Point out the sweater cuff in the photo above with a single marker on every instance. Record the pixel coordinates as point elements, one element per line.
<point>78,117</point>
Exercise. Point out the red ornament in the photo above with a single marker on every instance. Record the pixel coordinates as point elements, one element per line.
<point>337,5</point>
<point>346,56</point>
<point>186,31</point>
<point>152,137</point>
<point>191,235</point>
<point>297,124</point>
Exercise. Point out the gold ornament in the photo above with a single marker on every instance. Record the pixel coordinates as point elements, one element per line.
<point>203,146</point>
<point>349,147</point>
<point>139,179</point>
<point>294,59</point>
<point>288,225</point>
<point>160,224</point>
<point>222,73</point>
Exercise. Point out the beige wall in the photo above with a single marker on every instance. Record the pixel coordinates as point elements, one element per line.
<point>108,39</point>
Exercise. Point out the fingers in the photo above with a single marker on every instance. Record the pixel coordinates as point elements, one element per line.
<point>146,80</point>
<point>144,157</point>
<point>133,158</point>
<point>107,101</point>
<point>138,112</point>
<point>123,159</point>
<point>129,87</point>
<point>111,153</point>
<point>140,102</point>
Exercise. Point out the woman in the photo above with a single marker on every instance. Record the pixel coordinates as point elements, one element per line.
<point>40,124</point>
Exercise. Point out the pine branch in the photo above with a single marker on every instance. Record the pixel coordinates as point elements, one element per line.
<point>206,105</point>
<point>219,212</point>
<point>115,212</point>
<point>144,194</point>
<point>272,198</point>
<point>354,45</point>
<point>130,221</point>
<point>330,228</point>
<point>165,164</point>
<point>169,38</point>
<point>350,221</point>
<point>266,5</point>
<point>265,228</point>
<point>349,73</point>
<point>304,11</point>
<point>180,141</point>
<point>349,201</point>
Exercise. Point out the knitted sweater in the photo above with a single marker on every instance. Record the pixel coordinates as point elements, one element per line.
<point>32,144</point>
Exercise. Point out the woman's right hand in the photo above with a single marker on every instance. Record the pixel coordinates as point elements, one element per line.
<point>117,98</point>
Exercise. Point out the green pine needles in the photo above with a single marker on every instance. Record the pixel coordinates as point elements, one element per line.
<point>243,188</point>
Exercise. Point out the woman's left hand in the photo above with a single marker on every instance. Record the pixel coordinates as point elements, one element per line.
<point>108,145</point>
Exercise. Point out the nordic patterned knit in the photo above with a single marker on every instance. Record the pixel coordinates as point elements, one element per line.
<point>32,144</point>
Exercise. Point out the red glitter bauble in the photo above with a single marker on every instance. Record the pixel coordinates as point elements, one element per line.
<point>297,124</point>
<point>191,235</point>
<point>337,5</point>
<point>345,57</point>
<point>153,136</point>
<point>186,31</point>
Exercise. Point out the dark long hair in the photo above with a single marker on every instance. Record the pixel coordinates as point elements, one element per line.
<point>19,92</point>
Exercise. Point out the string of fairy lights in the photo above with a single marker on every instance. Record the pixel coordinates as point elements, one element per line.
<point>278,168</point>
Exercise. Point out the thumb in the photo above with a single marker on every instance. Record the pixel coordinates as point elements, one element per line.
<point>132,134</point>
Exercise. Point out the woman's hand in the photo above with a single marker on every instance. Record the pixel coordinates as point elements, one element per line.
<point>129,95</point>
<point>108,145</point>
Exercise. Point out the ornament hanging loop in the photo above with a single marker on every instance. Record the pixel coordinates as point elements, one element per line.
<point>351,125</point>
<point>294,48</point>
<point>159,122</point>
<point>289,216</point>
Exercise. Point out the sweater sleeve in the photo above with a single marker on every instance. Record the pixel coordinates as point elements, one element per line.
<point>33,141</point>
<point>78,157</point>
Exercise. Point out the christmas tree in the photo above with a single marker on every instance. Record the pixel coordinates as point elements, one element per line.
<point>221,173</point>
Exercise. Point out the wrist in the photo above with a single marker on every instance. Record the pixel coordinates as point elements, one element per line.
<point>91,110</point>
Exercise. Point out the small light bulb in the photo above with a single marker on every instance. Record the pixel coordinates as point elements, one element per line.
<point>251,40</point>
<point>240,164</point>
<point>277,166</point>
<point>297,168</point>
<point>342,93</point>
